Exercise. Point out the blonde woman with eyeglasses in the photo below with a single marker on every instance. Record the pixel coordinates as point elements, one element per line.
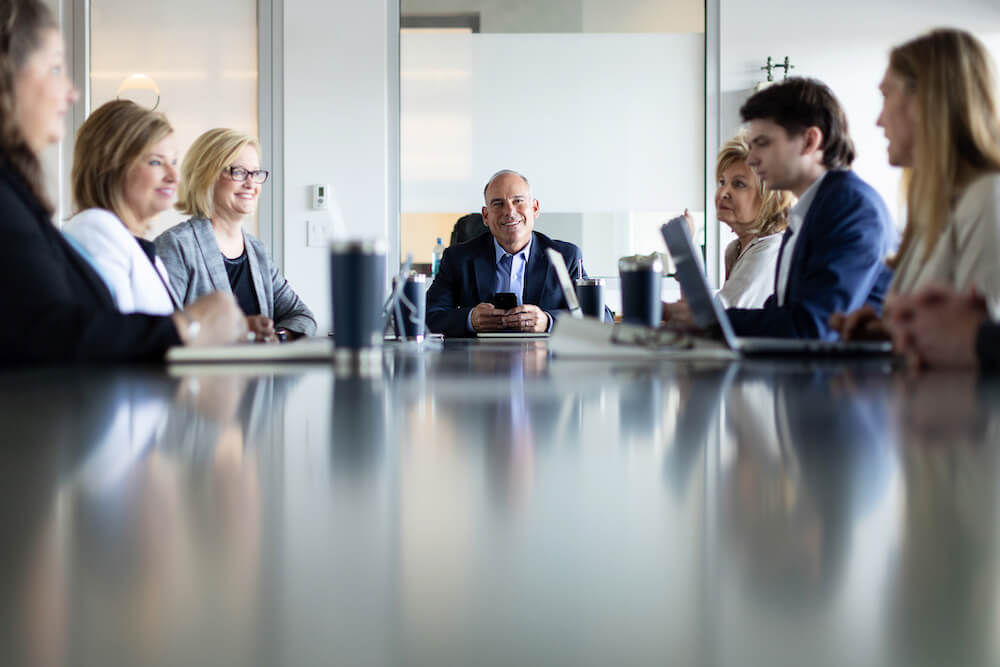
<point>220,184</point>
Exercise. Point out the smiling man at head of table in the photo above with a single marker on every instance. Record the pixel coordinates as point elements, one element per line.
<point>511,258</point>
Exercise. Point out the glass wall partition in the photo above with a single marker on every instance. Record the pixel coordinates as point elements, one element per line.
<point>196,60</point>
<point>600,104</point>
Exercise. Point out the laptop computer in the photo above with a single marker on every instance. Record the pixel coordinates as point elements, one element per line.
<point>709,314</point>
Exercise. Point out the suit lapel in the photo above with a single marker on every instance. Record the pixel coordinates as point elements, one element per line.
<point>485,270</point>
<point>537,271</point>
<point>258,279</point>
<point>805,233</point>
<point>210,252</point>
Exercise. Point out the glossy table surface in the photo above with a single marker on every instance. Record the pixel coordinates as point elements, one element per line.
<point>484,504</point>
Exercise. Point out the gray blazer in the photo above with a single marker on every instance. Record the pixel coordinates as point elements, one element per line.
<point>194,264</point>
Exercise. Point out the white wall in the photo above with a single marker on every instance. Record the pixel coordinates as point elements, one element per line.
<point>847,48</point>
<point>336,130</point>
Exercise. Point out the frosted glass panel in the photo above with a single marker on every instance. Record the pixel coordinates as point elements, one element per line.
<point>598,122</point>
<point>609,128</point>
<point>201,55</point>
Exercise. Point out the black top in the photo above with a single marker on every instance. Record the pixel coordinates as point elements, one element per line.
<point>149,248</point>
<point>241,283</point>
<point>988,346</point>
<point>58,308</point>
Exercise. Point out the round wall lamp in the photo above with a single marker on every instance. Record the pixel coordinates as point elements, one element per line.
<point>137,82</point>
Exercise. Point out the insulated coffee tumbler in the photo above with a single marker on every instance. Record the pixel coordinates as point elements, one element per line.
<point>641,277</point>
<point>357,279</point>
<point>590,294</point>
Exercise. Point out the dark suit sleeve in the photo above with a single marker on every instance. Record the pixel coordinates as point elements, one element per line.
<point>843,270</point>
<point>55,305</point>
<point>988,346</point>
<point>445,315</point>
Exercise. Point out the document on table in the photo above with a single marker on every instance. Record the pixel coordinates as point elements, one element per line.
<point>306,349</point>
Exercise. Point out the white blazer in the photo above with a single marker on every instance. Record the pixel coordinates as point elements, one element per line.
<point>122,263</point>
<point>968,252</point>
<point>750,277</point>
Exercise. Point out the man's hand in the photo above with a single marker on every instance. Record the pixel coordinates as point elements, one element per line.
<point>526,317</point>
<point>936,326</point>
<point>487,318</point>
<point>262,328</point>
<point>862,324</point>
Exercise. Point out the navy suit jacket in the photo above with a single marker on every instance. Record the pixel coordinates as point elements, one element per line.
<point>466,277</point>
<point>837,266</point>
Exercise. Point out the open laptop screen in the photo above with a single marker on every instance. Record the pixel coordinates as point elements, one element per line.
<point>706,309</point>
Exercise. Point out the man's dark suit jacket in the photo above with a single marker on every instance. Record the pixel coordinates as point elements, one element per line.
<point>838,263</point>
<point>57,307</point>
<point>467,277</point>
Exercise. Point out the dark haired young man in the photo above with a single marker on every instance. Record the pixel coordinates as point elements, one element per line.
<point>839,232</point>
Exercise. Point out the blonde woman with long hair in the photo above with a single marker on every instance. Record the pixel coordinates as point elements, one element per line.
<point>940,115</point>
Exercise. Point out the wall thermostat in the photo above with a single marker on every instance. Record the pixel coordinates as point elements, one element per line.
<point>319,195</point>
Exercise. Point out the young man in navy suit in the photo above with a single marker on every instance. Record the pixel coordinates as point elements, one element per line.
<point>511,258</point>
<point>839,232</point>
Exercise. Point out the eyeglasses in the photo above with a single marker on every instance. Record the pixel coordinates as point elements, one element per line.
<point>240,174</point>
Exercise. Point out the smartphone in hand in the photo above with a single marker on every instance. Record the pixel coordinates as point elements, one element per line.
<point>504,300</point>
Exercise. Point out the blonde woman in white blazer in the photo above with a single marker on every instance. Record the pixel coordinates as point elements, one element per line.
<point>124,174</point>
<point>940,115</point>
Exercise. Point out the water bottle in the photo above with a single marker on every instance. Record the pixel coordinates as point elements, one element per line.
<point>436,256</point>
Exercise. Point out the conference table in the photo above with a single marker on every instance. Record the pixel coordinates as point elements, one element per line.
<point>487,504</point>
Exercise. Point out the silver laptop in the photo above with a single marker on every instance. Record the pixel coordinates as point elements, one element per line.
<point>709,314</point>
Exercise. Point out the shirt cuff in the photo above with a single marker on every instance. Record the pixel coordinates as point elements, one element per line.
<point>468,323</point>
<point>551,321</point>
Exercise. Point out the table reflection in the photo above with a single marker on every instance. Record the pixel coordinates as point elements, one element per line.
<point>491,505</point>
<point>944,592</point>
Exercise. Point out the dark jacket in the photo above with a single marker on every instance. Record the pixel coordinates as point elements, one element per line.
<point>467,277</point>
<point>838,265</point>
<point>58,308</point>
<point>988,346</point>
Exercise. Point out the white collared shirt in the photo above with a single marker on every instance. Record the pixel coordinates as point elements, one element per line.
<point>796,218</point>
